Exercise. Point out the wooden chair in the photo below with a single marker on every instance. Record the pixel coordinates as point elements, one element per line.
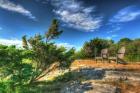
<point>119,56</point>
<point>103,55</point>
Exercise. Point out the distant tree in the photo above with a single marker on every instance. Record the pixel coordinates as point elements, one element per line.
<point>94,46</point>
<point>124,41</point>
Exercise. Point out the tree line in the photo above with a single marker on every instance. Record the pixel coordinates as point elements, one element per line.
<point>93,48</point>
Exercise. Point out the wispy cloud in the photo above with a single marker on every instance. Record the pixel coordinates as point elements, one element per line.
<point>127,14</point>
<point>75,15</point>
<point>8,5</point>
<point>9,42</point>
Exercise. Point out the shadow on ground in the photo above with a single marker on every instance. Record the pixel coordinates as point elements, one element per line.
<point>70,82</point>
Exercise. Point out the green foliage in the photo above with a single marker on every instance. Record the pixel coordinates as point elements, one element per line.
<point>124,41</point>
<point>133,50</point>
<point>79,54</point>
<point>12,67</point>
<point>67,58</point>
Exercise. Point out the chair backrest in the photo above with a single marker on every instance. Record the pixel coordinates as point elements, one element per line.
<point>104,53</point>
<point>121,53</point>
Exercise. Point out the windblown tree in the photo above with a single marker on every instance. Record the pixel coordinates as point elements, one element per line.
<point>46,56</point>
<point>21,67</point>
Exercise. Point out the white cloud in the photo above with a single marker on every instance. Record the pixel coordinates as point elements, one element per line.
<point>8,5</point>
<point>9,42</point>
<point>75,15</point>
<point>127,14</point>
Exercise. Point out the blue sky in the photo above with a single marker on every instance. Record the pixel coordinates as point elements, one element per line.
<point>81,20</point>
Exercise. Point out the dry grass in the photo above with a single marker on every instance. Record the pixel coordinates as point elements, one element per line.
<point>105,65</point>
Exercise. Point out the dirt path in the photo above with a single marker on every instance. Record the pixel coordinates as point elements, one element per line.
<point>105,65</point>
